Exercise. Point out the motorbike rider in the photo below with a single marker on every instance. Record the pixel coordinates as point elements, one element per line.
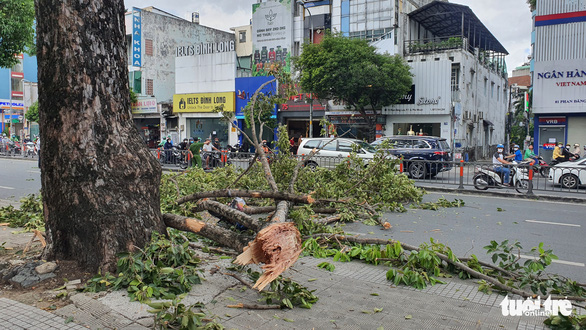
<point>558,154</point>
<point>576,150</point>
<point>499,159</point>
<point>530,155</point>
<point>518,154</point>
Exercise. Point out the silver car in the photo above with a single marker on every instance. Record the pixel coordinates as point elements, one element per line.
<point>334,151</point>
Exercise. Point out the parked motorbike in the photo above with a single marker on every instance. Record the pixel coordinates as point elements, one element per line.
<point>487,177</point>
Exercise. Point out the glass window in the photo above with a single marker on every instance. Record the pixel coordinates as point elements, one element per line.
<point>208,128</point>
<point>312,144</point>
<point>421,145</point>
<point>367,147</point>
<point>402,144</point>
<point>330,146</point>
<point>345,146</point>
<point>242,36</point>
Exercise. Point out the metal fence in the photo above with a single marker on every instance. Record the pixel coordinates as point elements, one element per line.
<point>17,149</point>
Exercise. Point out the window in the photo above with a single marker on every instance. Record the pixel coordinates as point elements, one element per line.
<point>498,93</point>
<point>312,144</point>
<point>330,146</point>
<point>491,89</point>
<point>402,144</point>
<point>345,146</point>
<point>148,45</point>
<point>241,36</point>
<point>421,145</point>
<point>149,87</point>
<point>455,80</point>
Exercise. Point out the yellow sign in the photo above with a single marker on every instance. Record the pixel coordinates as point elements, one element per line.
<point>203,102</point>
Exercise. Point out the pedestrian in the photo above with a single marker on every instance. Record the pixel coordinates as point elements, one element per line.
<point>194,150</point>
<point>38,146</point>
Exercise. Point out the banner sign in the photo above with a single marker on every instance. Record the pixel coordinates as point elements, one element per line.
<point>136,38</point>
<point>246,87</point>
<point>272,35</point>
<point>203,102</point>
<point>144,106</point>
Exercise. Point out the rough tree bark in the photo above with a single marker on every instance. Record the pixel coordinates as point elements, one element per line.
<point>100,184</point>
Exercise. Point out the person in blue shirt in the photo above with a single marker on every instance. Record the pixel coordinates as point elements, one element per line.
<point>518,153</point>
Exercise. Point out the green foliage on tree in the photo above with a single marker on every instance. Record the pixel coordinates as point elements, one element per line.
<point>133,97</point>
<point>532,4</point>
<point>32,113</point>
<point>16,30</point>
<point>519,119</point>
<point>350,71</point>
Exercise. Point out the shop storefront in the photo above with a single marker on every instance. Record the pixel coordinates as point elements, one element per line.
<point>296,113</point>
<point>353,125</point>
<point>245,89</point>
<point>147,120</point>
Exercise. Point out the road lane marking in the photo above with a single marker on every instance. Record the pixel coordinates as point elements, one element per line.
<point>553,223</point>
<point>9,188</point>
<point>571,263</point>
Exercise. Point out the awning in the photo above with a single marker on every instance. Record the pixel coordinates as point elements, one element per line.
<point>445,19</point>
<point>487,122</point>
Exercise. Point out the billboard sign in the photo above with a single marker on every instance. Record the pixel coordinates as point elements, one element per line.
<point>272,35</point>
<point>245,89</point>
<point>144,106</point>
<point>559,86</point>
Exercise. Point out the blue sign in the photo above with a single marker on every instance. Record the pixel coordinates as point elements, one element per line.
<point>136,38</point>
<point>246,87</point>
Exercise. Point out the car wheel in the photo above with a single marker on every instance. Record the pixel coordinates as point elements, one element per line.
<point>522,186</point>
<point>417,170</point>
<point>311,165</point>
<point>481,182</point>
<point>569,181</point>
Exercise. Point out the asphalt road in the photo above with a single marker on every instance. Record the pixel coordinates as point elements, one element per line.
<point>560,226</point>
<point>18,178</point>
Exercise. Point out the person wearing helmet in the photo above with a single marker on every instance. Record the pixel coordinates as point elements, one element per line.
<point>576,150</point>
<point>558,153</point>
<point>499,161</point>
<point>518,154</point>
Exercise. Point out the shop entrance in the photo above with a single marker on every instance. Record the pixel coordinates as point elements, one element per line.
<point>297,127</point>
<point>548,137</point>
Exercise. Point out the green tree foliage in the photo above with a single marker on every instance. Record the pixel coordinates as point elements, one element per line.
<point>532,4</point>
<point>350,71</point>
<point>519,120</point>
<point>32,113</point>
<point>16,30</point>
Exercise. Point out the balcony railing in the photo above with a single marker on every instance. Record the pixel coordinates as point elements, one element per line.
<point>433,45</point>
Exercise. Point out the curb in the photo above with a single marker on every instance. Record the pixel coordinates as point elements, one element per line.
<point>506,194</point>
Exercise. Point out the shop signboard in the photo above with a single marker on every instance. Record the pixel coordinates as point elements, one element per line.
<point>144,106</point>
<point>245,89</point>
<point>272,35</point>
<point>16,104</point>
<point>559,86</point>
<point>203,102</point>
<point>552,121</point>
<point>136,37</point>
<point>429,94</point>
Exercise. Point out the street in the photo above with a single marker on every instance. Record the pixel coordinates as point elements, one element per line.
<point>559,225</point>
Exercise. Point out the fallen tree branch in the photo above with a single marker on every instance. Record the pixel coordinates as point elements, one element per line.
<point>268,209</point>
<point>250,164</point>
<point>218,234</point>
<point>495,267</point>
<point>457,264</point>
<point>212,249</point>
<point>248,306</point>
<point>232,215</point>
<point>240,279</point>
<point>303,199</point>
<point>328,220</point>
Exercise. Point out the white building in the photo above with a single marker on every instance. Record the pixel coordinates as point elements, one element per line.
<point>559,73</point>
<point>153,38</point>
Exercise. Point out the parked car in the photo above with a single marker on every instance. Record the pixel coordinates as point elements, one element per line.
<point>333,150</point>
<point>569,175</point>
<point>423,156</point>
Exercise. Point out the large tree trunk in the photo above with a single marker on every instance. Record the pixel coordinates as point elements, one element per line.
<point>100,184</point>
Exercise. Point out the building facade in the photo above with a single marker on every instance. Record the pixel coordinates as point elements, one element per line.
<point>559,73</point>
<point>160,46</point>
<point>18,91</point>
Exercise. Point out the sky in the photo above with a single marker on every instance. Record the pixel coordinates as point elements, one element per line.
<point>508,20</point>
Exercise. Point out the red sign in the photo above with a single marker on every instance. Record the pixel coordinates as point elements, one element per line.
<point>17,74</point>
<point>548,146</point>
<point>17,94</point>
<point>552,120</point>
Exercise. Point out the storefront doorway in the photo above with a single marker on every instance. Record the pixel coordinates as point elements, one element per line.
<point>208,128</point>
<point>549,136</point>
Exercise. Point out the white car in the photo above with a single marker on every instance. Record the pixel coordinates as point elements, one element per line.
<point>569,175</point>
<point>333,151</point>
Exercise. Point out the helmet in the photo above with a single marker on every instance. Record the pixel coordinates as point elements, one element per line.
<point>576,144</point>
<point>500,146</point>
<point>516,146</point>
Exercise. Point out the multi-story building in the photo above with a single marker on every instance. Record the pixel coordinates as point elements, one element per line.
<point>163,51</point>
<point>18,91</point>
<point>559,73</point>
